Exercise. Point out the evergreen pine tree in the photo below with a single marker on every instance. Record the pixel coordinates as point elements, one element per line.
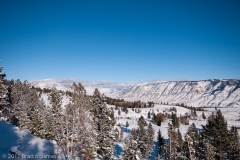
<point>191,143</point>
<point>150,138</point>
<point>203,115</point>
<point>134,134</point>
<point>131,150</point>
<point>142,137</point>
<point>4,98</point>
<point>234,146</point>
<point>116,132</point>
<point>216,133</point>
<point>149,115</point>
<point>55,100</point>
<point>127,125</point>
<point>104,125</point>
<point>24,101</point>
<point>121,135</point>
<point>160,143</point>
<point>173,143</point>
<point>175,120</point>
<point>37,115</point>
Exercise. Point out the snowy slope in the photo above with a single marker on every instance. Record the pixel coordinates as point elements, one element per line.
<point>221,93</point>
<point>30,148</point>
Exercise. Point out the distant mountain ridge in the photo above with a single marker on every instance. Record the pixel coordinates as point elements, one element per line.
<point>209,93</point>
<point>109,88</point>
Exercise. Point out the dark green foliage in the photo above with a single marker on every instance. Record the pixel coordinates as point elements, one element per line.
<point>158,119</point>
<point>127,125</point>
<point>126,104</point>
<point>149,115</point>
<point>234,146</point>
<point>203,115</point>
<point>160,143</point>
<point>218,135</point>
<point>180,141</point>
<point>175,120</point>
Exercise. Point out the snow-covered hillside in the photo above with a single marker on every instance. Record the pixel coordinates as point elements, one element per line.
<point>221,93</point>
<point>25,145</point>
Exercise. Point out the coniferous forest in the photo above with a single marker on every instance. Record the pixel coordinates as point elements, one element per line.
<point>85,127</point>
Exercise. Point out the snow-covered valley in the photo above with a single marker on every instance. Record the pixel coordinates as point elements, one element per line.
<point>25,144</point>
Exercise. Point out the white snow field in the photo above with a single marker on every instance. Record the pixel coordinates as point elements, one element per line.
<point>26,145</point>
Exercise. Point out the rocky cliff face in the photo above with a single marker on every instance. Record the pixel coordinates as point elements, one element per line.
<point>221,93</point>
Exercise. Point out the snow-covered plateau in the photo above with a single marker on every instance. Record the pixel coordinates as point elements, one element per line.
<point>209,93</point>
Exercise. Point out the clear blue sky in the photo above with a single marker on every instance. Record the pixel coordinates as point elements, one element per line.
<point>120,40</point>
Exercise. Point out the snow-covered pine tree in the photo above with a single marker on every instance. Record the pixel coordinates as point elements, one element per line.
<point>191,142</point>
<point>161,145</point>
<point>4,99</point>
<point>42,113</point>
<point>24,101</point>
<point>104,125</point>
<point>234,147</point>
<point>209,150</point>
<point>116,132</point>
<point>17,99</point>
<point>134,134</point>
<point>150,138</point>
<point>217,133</point>
<point>131,150</point>
<point>37,116</point>
<point>173,143</point>
<point>121,135</point>
<point>190,149</point>
<point>79,133</point>
<point>142,137</point>
<point>55,117</point>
